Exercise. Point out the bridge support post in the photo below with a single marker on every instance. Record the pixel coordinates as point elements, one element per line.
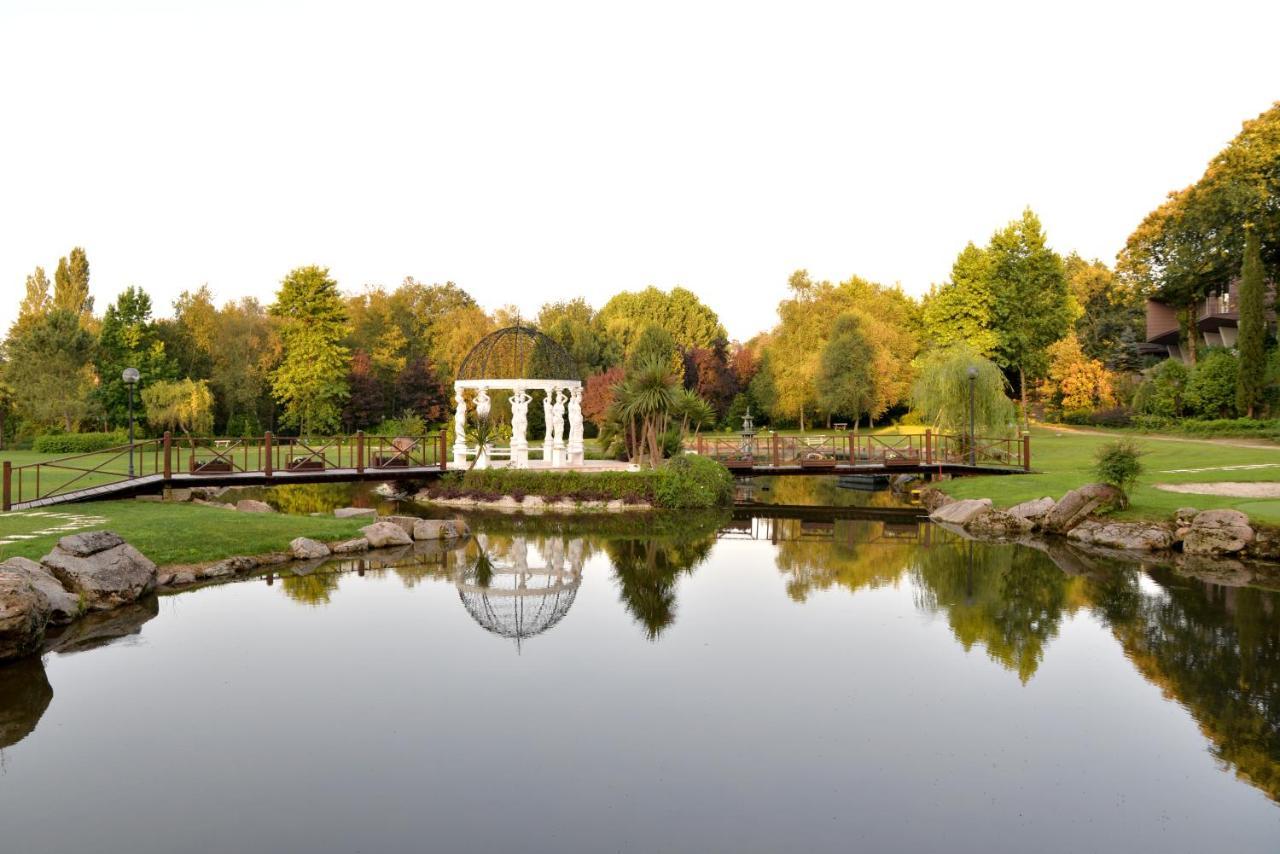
<point>268,467</point>
<point>443,439</point>
<point>359,452</point>
<point>1026,452</point>
<point>8,486</point>
<point>928,446</point>
<point>168,455</point>
<point>774,443</point>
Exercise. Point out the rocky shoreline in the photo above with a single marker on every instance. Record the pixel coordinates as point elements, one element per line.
<point>1218,544</point>
<point>91,575</point>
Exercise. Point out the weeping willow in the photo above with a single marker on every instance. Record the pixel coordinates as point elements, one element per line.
<point>941,394</point>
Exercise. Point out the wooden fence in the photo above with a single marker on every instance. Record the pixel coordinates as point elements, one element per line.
<point>882,450</point>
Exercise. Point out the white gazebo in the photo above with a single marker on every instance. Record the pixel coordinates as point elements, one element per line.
<point>521,361</point>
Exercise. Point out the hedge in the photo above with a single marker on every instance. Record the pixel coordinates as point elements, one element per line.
<point>78,443</point>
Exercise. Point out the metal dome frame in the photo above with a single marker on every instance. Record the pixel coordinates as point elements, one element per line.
<point>501,356</point>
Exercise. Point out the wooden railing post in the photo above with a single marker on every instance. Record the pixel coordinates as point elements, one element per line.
<point>167,444</point>
<point>928,446</point>
<point>443,450</point>
<point>774,442</point>
<point>359,452</point>
<point>268,464</point>
<point>1026,452</point>
<point>8,486</point>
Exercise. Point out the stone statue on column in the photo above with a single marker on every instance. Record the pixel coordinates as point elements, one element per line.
<point>557,431</point>
<point>548,419</point>
<point>575,450</point>
<point>519,426</point>
<point>460,428</point>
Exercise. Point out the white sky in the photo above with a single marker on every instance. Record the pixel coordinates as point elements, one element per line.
<point>532,152</point>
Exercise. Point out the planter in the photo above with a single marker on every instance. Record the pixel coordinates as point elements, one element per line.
<point>305,465</point>
<point>382,461</point>
<point>738,465</point>
<point>210,467</point>
<point>903,460</point>
<point>818,463</point>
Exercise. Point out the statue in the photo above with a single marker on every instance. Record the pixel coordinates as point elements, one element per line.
<point>575,449</point>
<point>557,431</point>
<point>519,424</point>
<point>460,428</point>
<point>548,419</point>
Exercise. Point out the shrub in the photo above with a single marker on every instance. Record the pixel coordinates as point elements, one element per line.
<point>78,443</point>
<point>1119,463</point>
<point>1211,390</point>
<point>408,424</point>
<point>692,481</point>
<point>1112,416</point>
<point>1161,394</point>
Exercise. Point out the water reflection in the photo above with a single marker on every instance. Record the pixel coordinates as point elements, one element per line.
<point>25,693</point>
<point>513,598</point>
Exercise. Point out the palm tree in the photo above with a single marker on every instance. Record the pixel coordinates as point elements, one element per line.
<point>693,411</point>
<point>645,400</point>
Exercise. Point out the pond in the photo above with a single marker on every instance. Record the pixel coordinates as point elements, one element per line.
<point>694,683</point>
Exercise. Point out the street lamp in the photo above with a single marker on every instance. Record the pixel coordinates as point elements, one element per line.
<point>130,377</point>
<point>973,446</point>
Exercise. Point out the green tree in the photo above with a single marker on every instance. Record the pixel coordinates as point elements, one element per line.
<point>941,394</point>
<point>184,405</point>
<point>845,380</point>
<point>36,301</point>
<point>574,325</point>
<point>1252,340</point>
<point>1110,315</point>
<point>248,351</point>
<point>50,370</point>
<point>960,312</point>
<point>311,380</point>
<point>1163,392</point>
<point>71,284</point>
<point>685,318</point>
<point>1031,308</point>
<point>128,338</point>
<point>1211,390</point>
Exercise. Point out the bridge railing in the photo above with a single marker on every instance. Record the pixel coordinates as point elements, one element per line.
<point>821,451</point>
<point>196,456</point>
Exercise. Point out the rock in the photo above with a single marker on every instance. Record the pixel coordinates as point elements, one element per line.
<point>249,505</point>
<point>931,498</point>
<point>1266,544</point>
<point>64,606</point>
<point>430,529</point>
<point>1218,532</point>
<point>182,578</point>
<point>1034,510</point>
<point>24,613</point>
<point>406,523</point>
<point>961,512</point>
<point>355,512</point>
<point>227,567</point>
<point>997,523</point>
<point>102,627</point>
<point>460,527</point>
<point>272,558</point>
<point>218,504</point>
<point>108,576</point>
<point>27,693</point>
<point>89,543</point>
<point>1184,516</point>
<point>1076,505</point>
<point>346,547</point>
<point>178,495</point>
<point>383,534</point>
<point>304,548</point>
<point>1133,536</point>
<point>155,498</point>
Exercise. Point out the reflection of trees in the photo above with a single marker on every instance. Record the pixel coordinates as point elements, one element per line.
<point>302,499</point>
<point>1009,599</point>
<point>25,693</point>
<point>1216,650</point>
<point>854,557</point>
<point>311,588</point>
<point>818,491</point>
<point>647,571</point>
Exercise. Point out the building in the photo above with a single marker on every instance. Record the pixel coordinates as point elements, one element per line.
<point>1217,319</point>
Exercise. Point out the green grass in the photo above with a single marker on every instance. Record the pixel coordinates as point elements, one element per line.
<point>175,533</point>
<point>1063,460</point>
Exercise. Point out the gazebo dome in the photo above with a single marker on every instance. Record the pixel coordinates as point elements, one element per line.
<point>518,353</point>
<point>518,606</point>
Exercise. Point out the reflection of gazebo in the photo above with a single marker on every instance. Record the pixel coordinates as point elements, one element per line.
<point>522,360</point>
<point>517,601</point>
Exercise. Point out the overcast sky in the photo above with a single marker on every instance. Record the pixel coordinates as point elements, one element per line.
<point>532,151</point>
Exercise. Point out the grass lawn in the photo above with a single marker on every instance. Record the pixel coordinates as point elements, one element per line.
<point>168,533</point>
<point>1064,460</point>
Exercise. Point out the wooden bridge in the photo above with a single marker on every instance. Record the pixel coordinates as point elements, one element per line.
<point>152,465</point>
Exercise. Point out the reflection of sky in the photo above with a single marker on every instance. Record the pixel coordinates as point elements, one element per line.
<point>387,720</point>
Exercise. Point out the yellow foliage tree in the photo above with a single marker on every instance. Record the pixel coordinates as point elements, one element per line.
<point>1076,381</point>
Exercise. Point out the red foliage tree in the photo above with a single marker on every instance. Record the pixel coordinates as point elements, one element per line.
<point>366,403</point>
<point>418,388</point>
<point>597,393</point>
<point>708,372</point>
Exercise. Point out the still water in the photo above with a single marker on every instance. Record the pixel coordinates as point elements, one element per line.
<point>680,684</point>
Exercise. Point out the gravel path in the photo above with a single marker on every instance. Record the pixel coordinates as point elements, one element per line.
<point>1232,489</point>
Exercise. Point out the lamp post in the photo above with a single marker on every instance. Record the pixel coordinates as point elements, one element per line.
<point>973,447</point>
<point>130,377</point>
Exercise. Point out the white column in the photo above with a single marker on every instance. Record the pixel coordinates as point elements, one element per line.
<point>557,431</point>
<point>548,419</point>
<point>482,412</point>
<point>575,450</point>
<point>460,428</point>
<point>519,425</point>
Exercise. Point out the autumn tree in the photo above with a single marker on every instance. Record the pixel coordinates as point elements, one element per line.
<point>418,389</point>
<point>71,285</point>
<point>248,350</point>
<point>311,380</point>
<point>1076,381</point>
<point>709,373</point>
<point>365,404</point>
<point>597,393</point>
<point>845,379</point>
<point>1109,314</point>
<point>684,317</point>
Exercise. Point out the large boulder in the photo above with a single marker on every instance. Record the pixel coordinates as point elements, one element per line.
<point>102,569</point>
<point>228,567</point>
<point>24,613</point>
<point>1076,505</point>
<point>961,512</point>
<point>249,505</point>
<point>355,513</point>
<point>406,523</point>
<point>304,548</point>
<point>1133,536</point>
<point>64,606</point>
<point>383,534</point>
<point>347,547</point>
<point>931,498</point>
<point>1266,544</point>
<point>998,524</point>
<point>440,529</point>
<point>1034,510</point>
<point>1218,532</point>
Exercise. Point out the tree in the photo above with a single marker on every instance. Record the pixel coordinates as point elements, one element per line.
<point>1211,389</point>
<point>1109,313</point>
<point>644,403</point>
<point>680,313</point>
<point>50,370</point>
<point>961,311</point>
<point>597,393</point>
<point>708,372</point>
<point>248,350</point>
<point>655,344</point>
<point>128,339</point>
<point>575,326</point>
<point>1251,343</point>
<point>71,285</point>
<point>311,380</point>
<point>1163,392</point>
<point>846,385</point>
<point>1076,381</point>
<point>366,404</point>
<point>941,394</point>
<point>185,405</point>
<point>418,389</point>
<point>36,301</point>
<point>192,336</point>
